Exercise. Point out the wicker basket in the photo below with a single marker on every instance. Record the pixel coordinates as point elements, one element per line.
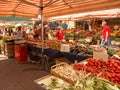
<point>69,80</point>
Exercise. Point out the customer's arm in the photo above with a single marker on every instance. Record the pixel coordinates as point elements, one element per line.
<point>106,37</point>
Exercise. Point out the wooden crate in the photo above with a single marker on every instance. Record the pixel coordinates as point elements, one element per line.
<point>62,59</point>
<point>9,49</point>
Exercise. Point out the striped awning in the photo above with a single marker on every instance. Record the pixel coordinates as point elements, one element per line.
<point>110,13</point>
<point>51,8</point>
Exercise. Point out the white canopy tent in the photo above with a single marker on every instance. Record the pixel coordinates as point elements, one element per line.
<point>111,13</point>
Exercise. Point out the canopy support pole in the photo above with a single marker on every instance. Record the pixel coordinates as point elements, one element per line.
<point>42,27</point>
<point>44,58</point>
<point>45,62</point>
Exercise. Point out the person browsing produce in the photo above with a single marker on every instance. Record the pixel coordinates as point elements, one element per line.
<point>59,33</point>
<point>105,35</point>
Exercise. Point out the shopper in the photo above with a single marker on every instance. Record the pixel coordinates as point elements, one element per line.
<point>105,35</point>
<point>59,33</point>
<point>30,34</point>
<point>38,33</point>
<point>0,32</point>
<point>19,34</point>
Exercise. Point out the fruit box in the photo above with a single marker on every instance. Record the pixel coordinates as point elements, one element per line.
<point>100,55</point>
<point>54,72</point>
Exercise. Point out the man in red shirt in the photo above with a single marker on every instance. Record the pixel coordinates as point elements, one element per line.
<point>105,35</point>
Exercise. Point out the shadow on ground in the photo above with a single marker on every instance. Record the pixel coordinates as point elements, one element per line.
<point>20,76</point>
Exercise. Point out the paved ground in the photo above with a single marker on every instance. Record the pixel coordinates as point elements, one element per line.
<point>19,76</point>
<point>2,57</point>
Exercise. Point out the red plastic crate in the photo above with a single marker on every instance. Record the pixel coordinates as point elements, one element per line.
<point>21,52</point>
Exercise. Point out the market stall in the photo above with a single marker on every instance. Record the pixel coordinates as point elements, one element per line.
<point>80,75</point>
<point>91,74</point>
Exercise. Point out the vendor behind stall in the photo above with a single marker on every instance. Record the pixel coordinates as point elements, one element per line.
<point>30,33</point>
<point>37,31</point>
<point>19,33</point>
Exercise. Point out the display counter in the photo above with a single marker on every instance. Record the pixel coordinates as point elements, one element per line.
<point>35,51</point>
<point>47,51</point>
<point>72,57</point>
<point>7,48</point>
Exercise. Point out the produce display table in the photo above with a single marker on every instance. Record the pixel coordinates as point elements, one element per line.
<point>2,51</point>
<point>72,57</point>
<point>52,53</point>
<point>7,48</point>
<point>45,82</point>
<point>21,52</point>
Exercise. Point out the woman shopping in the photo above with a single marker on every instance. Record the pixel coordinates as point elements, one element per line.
<point>59,33</point>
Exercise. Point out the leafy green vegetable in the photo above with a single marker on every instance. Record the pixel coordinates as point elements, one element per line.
<point>111,51</point>
<point>71,87</point>
<point>54,83</point>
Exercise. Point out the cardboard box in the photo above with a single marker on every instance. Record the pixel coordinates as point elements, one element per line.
<point>100,55</point>
<point>65,48</point>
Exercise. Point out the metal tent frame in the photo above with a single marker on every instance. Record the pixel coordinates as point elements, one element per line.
<point>44,62</point>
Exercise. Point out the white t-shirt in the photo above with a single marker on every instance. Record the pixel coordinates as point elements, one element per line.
<point>19,35</point>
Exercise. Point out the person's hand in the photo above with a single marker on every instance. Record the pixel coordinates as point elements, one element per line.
<point>105,40</point>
